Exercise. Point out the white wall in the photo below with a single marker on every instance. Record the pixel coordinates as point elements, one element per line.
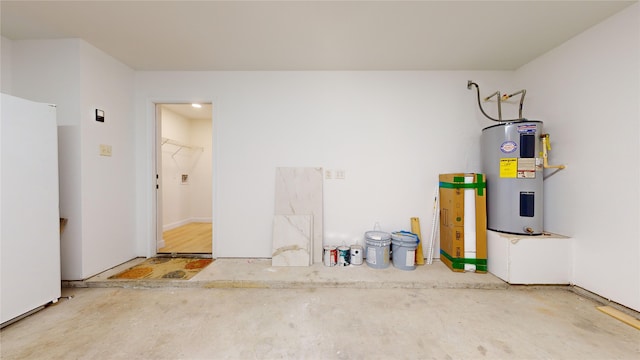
<point>5,65</point>
<point>175,196</point>
<point>96,193</point>
<point>41,68</point>
<point>201,176</point>
<point>392,132</point>
<point>47,71</point>
<point>587,91</point>
<point>108,183</point>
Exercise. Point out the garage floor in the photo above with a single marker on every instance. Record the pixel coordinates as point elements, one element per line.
<point>255,311</point>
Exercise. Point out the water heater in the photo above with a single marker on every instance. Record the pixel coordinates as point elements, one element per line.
<point>514,156</point>
<point>513,165</point>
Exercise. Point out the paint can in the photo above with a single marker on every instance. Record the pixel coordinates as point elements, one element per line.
<point>343,255</point>
<point>378,249</point>
<point>329,256</point>
<point>355,256</point>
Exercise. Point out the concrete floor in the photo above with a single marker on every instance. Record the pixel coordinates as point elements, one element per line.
<point>258,273</point>
<point>244,309</point>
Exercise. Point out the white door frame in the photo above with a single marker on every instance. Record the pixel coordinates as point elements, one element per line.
<point>155,209</point>
<point>159,242</point>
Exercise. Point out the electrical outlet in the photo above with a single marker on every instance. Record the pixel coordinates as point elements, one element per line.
<point>105,150</point>
<point>328,174</point>
<point>340,174</point>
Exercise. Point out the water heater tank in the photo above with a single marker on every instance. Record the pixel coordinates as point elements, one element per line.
<point>512,163</point>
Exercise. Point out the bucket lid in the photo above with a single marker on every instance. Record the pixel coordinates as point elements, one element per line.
<point>404,237</point>
<point>378,243</point>
<point>377,235</point>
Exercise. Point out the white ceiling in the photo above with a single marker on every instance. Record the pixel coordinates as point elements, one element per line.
<point>311,35</point>
<point>190,112</point>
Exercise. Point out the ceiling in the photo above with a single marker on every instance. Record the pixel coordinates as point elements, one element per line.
<point>311,35</point>
<point>190,112</point>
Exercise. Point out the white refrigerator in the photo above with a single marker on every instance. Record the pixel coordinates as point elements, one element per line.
<point>29,211</point>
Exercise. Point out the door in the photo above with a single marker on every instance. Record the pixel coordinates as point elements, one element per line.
<point>184,178</point>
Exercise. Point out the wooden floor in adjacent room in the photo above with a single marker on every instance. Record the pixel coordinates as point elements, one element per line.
<point>193,238</point>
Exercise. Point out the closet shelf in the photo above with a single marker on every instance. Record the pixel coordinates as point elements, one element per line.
<point>180,145</point>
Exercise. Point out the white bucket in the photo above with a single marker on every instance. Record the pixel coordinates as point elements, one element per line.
<point>378,247</point>
<point>403,250</point>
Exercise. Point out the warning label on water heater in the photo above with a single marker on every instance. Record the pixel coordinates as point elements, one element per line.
<point>509,168</point>
<point>521,168</point>
<point>527,168</point>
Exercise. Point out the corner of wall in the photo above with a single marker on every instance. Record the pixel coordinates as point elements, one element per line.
<point>6,70</point>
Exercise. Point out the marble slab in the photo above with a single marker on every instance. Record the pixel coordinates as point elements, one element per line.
<point>299,192</point>
<point>292,240</point>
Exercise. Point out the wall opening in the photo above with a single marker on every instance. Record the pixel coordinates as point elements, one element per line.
<point>184,179</point>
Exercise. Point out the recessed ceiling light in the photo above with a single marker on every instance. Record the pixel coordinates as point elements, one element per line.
<point>196,106</point>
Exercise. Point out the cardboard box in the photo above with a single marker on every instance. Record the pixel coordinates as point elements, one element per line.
<point>452,221</point>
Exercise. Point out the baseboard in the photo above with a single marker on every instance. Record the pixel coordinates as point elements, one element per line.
<point>183,222</point>
<point>604,301</point>
<point>201,220</point>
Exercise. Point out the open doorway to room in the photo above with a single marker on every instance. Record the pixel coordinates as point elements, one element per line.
<point>184,174</point>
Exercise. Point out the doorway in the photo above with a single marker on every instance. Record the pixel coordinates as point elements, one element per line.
<point>184,179</point>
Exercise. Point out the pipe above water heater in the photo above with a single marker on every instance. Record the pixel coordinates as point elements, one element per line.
<point>523,92</point>
<point>497,95</point>
<point>470,83</point>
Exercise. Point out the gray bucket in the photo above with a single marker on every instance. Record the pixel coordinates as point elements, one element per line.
<point>403,250</point>
<point>378,247</point>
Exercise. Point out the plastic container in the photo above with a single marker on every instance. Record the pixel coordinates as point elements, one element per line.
<point>378,248</point>
<point>403,250</point>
